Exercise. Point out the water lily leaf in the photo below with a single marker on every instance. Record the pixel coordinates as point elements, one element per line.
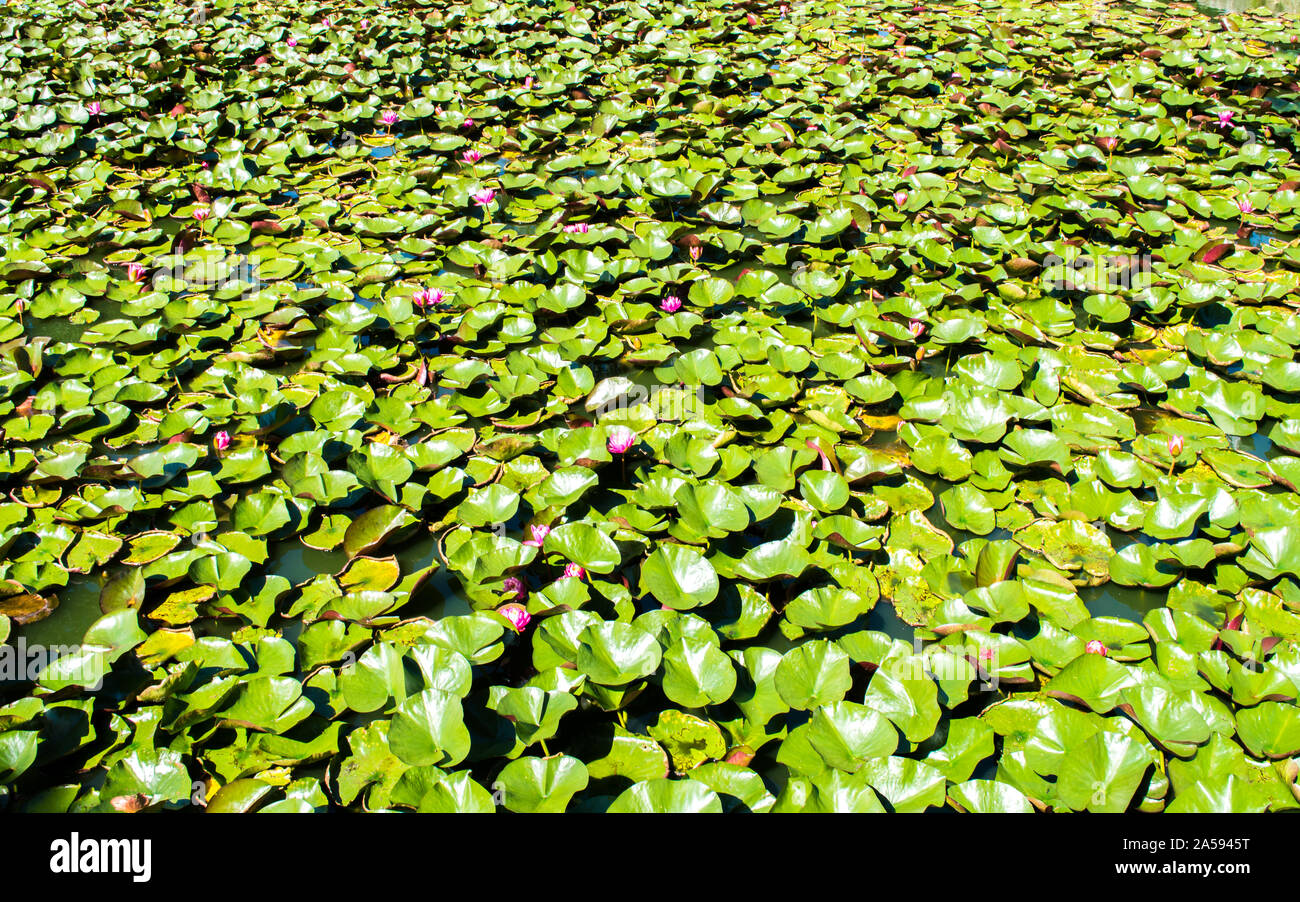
<point>457,793</point>
<point>989,797</point>
<point>541,784</point>
<point>370,530</point>
<point>145,777</point>
<point>664,796</point>
<point>584,544</point>
<point>689,740</point>
<point>535,712</point>
<point>1270,730</point>
<point>846,734</point>
<point>679,577</point>
<point>697,673</point>
<point>1102,773</point>
<point>814,674</point>
<point>429,728</point>
<point>615,654</point>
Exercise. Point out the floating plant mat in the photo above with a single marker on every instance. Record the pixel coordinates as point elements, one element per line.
<point>649,406</point>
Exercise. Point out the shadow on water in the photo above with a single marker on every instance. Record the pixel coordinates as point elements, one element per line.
<point>1111,600</point>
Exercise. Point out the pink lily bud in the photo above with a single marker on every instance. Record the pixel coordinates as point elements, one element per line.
<point>528,83</point>
<point>1108,143</point>
<point>671,304</point>
<point>292,42</point>
<point>538,533</point>
<point>1175,445</point>
<point>364,23</point>
<point>900,198</point>
<point>753,20</point>
<point>1199,71</point>
<point>574,571</point>
<point>518,617</point>
<point>221,440</point>
<point>468,123</point>
<point>620,440</point>
<point>514,587</point>
<point>1096,647</point>
<point>695,252</point>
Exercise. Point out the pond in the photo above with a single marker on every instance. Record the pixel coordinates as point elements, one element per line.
<point>791,407</point>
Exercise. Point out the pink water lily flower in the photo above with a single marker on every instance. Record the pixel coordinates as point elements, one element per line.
<point>1199,71</point>
<point>327,23</point>
<point>574,571</point>
<point>364,23</point>
<point>468,123</point>
<point>695,252</point>
<point>671,304</point>
<point>471,156</point>
<point>1175,445</point>
<point>528,83</point>
<point>578,228</point>
<point>916,327</point>
<point>1096,647</point>
<point>202,213</point>
<point>388,117</point>
<point>537,534</point>
<point>292,42</point>
<point>1108,143</point>
<point>620,440</point>
<point>514,587</point>
<point>1225,118</point>
<point>424,297</point>
<point>135,272</point>
<point>518,617</point>
<point>1245,206</point>
<point>484,197</point>
<point>900,198</point>
<point>93,108</point>
<point>753,20</point>
<point>221,440</point>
